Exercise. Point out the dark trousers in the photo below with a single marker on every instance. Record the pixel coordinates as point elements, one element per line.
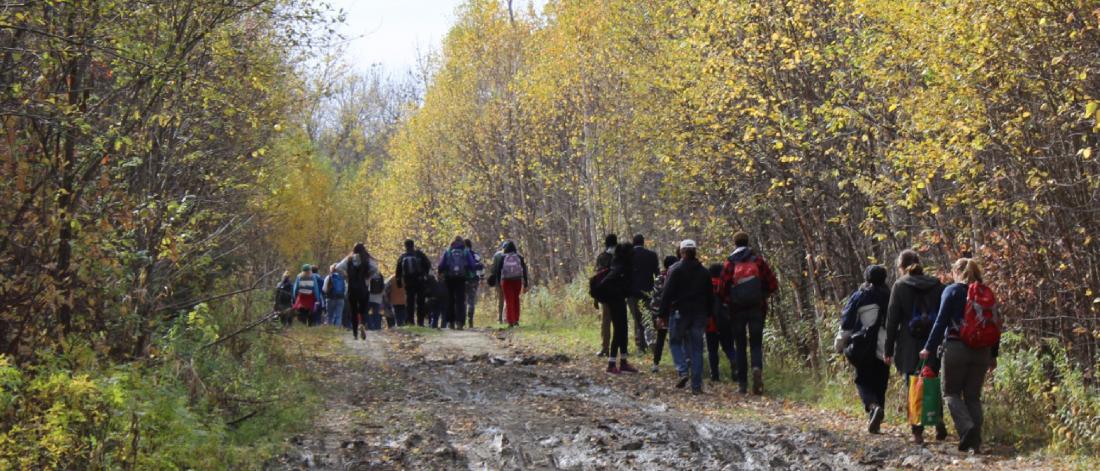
<point>415,307</point>
<point>723,338</point>
<point>617,312</point>
<point>399,314</point>
<point>471,301</point>
<point>303,316</point>
<point>456,303</point>
<point>748,325</point>
<point>357,310</point>
<point>659,347</point>
<point>871,381</point>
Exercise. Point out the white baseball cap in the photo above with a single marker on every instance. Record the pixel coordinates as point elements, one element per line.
<point>687,244</point>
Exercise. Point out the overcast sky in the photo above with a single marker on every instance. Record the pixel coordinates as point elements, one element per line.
<point>388,32</point>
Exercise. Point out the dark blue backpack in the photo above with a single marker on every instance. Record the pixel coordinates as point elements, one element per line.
<point>337,286</point>
<point>458,264</point>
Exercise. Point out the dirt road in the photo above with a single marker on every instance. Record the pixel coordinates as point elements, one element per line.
<point>470,400</point>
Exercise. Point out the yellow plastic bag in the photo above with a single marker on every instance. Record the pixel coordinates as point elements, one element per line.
<point>915,399</point>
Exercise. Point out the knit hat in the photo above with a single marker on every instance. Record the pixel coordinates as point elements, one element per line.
<point>875,274</point>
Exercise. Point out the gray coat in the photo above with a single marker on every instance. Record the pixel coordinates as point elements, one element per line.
<point>900,342</point>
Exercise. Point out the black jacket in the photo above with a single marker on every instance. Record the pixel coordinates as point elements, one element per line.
<point>425,264</point>
<point>900,342</point>
<point>646,269</point>
<point>687,289</point>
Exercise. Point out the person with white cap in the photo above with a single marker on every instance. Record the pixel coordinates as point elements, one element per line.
<point>686,302</point>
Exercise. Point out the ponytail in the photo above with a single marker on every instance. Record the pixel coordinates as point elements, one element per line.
<point>909,262</point>
<point>968,269</point>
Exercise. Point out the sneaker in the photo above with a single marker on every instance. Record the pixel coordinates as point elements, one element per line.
<point>875,425</point>
<point>612,369</point>
<point>757,381</point>
<point>680,383</point>
<point>715,379</point>
<point>627,367</point>
<point>653,369</point>
<point>696,391</point>
<point>743,389</point>
<point>601,353</point>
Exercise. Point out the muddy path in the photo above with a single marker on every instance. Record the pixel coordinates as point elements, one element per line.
<point>471,400</point>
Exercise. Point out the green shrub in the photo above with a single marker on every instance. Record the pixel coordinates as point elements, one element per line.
<point>182,410</point>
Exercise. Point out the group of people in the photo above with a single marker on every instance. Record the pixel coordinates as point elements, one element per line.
<point>923,328</point>
<point>918,325</point>
<point>690,306</point>
<point>356,296</point>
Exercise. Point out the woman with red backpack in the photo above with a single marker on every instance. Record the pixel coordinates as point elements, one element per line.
<point>969,321</point>
<point>510,273</point>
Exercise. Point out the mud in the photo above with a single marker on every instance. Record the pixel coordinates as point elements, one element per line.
<point>467,400</point>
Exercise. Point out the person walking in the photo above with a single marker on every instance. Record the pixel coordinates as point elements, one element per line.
<point>646,268</point>
<point>510,271</point>
<point>455,267</point>
<point>317,313</point>
<point>686,301</point>
<point>603,262</point>
<point>305,293</point>
<point>413,267</point>
<point>473,283</point>
<point>284,299</point>
<point>394,301</point>
<point>862,327</point>
<point>660,324</point>
<point>360,266</point>
<point>375,286</point>
<point>335,290</point>
<point>719,331</point>
<point>910,314</point>
<point>616,286</point>
<point>500,293</point>
<point>969,322</point>
<point>747,281</point>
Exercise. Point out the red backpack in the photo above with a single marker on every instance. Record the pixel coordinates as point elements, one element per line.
<point>747,289</point>
<point>981,325</point>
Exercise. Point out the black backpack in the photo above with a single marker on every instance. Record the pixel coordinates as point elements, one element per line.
<point>284,294</point>
<point>411,268</point>
<point>377,284</point>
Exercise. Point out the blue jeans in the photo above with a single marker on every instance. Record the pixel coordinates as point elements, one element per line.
<point>374,316</point>
<point>686,345</point>
<point>336,311</point>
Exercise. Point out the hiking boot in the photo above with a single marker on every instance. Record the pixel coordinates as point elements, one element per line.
<point>743,389</point>
<point>612,369</point>
<point>715,379</point>
<point>918,438</point>
<point>680,383</point>
<point>757,381</point>
<point>696,391</point>
<point>875,425</point>
<point>941,432</point>
<point>653,369</point>
<point>627,367</point>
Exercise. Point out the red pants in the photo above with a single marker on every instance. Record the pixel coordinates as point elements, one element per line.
<point>511,289</point>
